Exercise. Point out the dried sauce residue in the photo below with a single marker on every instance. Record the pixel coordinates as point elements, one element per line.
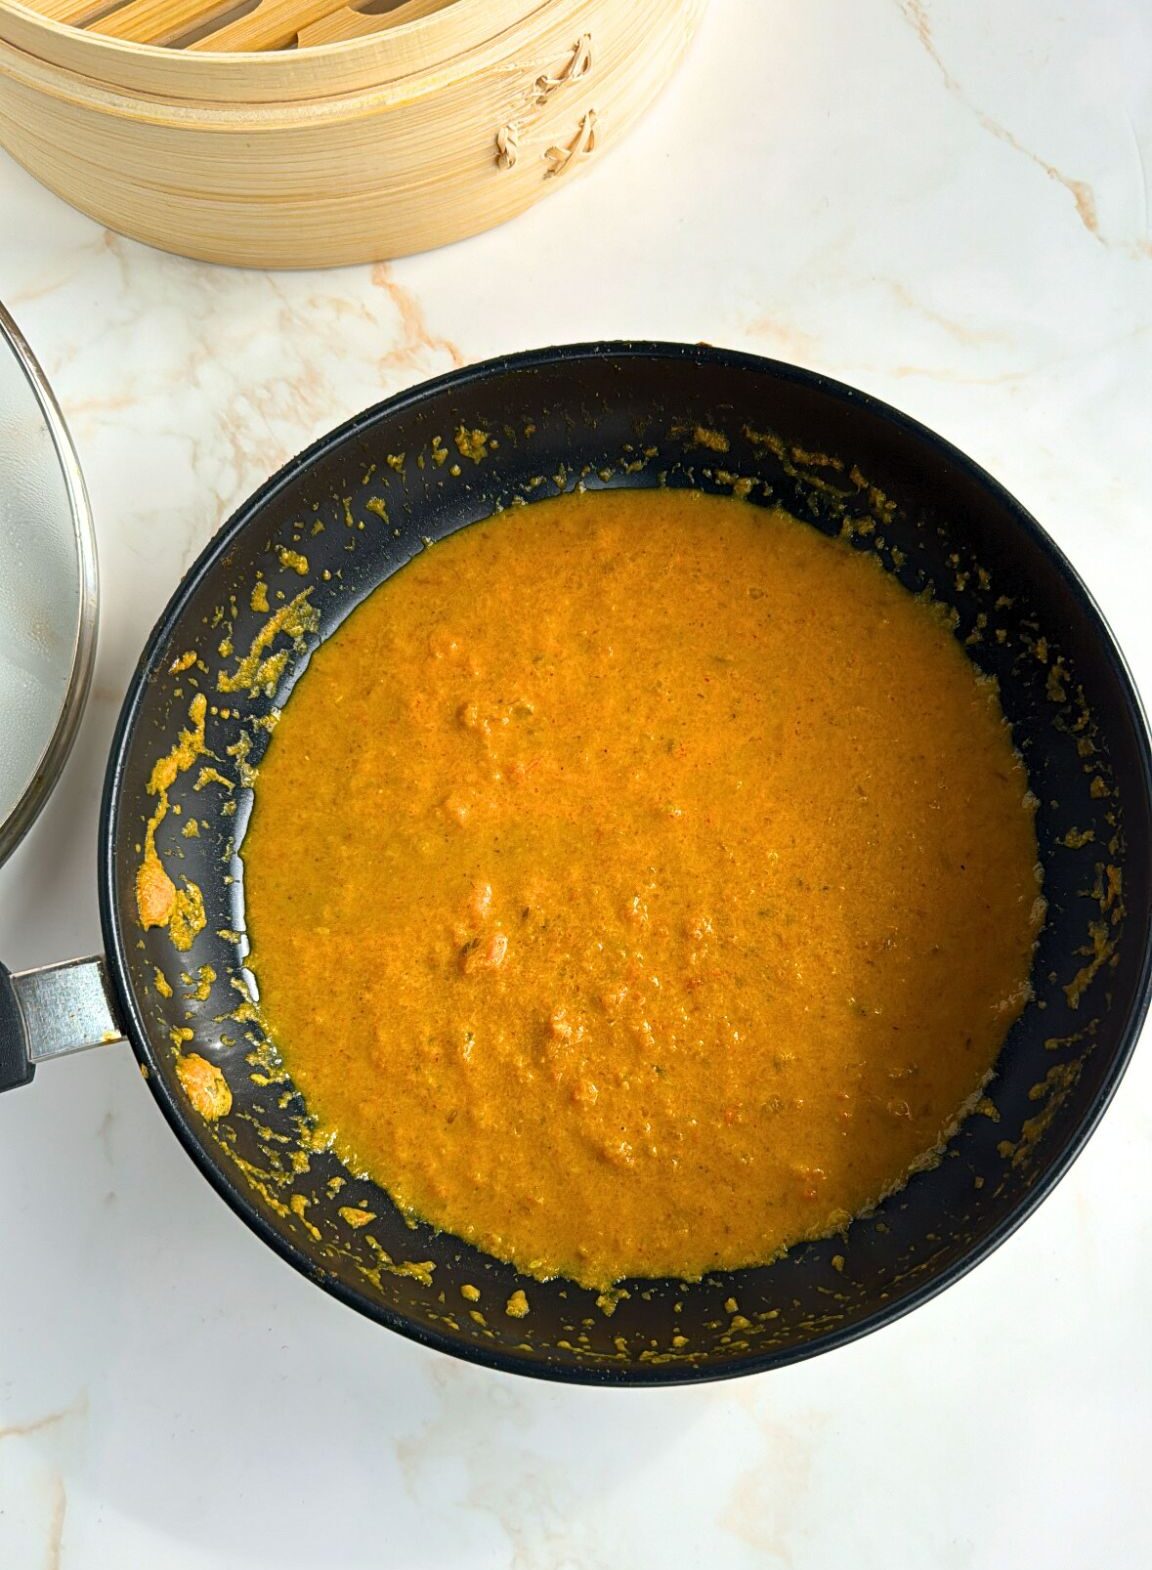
<point>472,444</point>
<point>187,917</point>
<point>1098,952</point>
<point>703,436</point>
<point>354,1217</point>
<point>203,986</point>
<point>204,1085</point>
<point>1053,1090</point>
<point>259,671</point>
<point>293,560</point>
<point>159,902</point>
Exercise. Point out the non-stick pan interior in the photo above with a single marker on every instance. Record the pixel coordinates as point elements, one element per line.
<point>352,511</point>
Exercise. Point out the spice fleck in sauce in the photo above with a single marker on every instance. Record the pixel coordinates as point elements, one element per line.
<point>640,883</point>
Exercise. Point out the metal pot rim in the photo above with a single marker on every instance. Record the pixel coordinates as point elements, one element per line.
<point>49,765</point>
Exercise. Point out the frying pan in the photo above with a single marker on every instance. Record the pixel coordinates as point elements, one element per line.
<point>338,521</point>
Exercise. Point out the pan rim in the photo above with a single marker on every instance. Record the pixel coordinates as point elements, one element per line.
<point>638,1375</point>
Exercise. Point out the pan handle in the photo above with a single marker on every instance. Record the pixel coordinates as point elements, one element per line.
<point>52,1011</point>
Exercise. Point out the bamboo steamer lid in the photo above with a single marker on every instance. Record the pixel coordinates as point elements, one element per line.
<point>407,136</point>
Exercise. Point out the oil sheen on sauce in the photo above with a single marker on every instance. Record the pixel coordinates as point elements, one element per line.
<point>641,882</point>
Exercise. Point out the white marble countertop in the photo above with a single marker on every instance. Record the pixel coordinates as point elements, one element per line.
<point>943,201</point>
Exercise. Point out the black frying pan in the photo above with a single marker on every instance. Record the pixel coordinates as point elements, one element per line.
<point>621,414</point>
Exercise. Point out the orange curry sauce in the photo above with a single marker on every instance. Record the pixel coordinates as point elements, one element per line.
<point>639,883</point>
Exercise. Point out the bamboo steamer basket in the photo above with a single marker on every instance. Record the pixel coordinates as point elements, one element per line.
<point>298,135</point>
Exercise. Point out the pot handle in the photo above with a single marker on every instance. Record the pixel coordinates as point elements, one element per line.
<point>51,1012</point>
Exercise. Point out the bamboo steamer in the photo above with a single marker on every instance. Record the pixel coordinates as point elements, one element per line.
<point>297,134</point>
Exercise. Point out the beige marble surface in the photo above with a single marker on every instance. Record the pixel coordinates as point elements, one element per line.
<point>943,201</point>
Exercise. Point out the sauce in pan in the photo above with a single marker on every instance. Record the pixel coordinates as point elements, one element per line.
<point>640,883</point>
